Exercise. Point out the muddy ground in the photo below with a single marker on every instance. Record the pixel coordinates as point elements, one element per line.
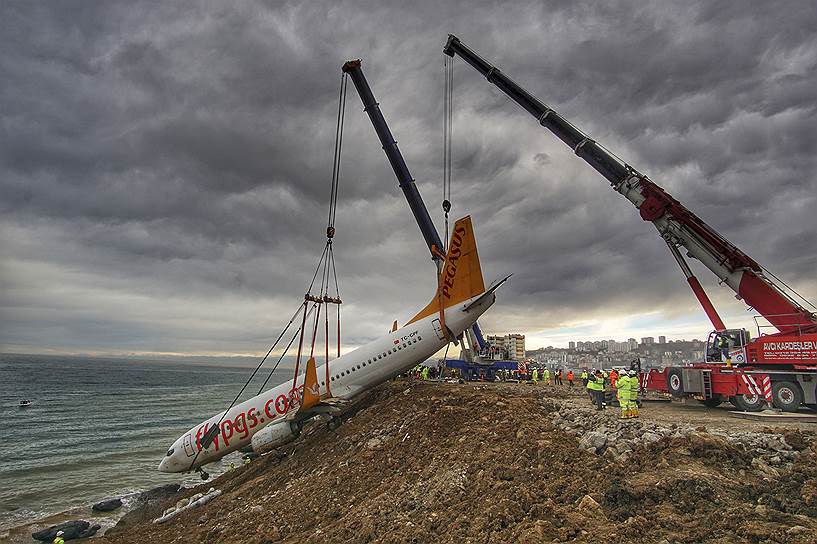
<point>426,462</point>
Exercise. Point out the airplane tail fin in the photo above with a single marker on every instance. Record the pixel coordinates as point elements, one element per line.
<point>461,276</point>
<point>312,392</point>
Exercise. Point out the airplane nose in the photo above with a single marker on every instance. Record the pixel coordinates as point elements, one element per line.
<point>163,465</point>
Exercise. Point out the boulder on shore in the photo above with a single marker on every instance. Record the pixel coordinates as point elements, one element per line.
<point>147,506</point>
<point>71,530</point>
<point>107,505</point>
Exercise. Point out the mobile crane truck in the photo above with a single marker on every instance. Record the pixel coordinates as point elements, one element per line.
<point>778,368</point>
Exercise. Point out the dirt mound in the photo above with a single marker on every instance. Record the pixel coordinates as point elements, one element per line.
<point>426,462</point>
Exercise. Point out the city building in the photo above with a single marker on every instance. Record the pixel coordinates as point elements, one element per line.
<point>662,339</point>
<point>509,346</point>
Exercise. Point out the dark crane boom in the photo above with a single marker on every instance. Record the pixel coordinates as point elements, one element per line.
<point>406,182</point>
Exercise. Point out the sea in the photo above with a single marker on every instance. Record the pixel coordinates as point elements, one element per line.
<point>98,427</point>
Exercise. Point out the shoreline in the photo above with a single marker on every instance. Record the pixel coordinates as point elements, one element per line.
<point>20,533</point>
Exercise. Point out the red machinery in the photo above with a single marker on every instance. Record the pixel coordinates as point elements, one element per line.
<point>780,367</point>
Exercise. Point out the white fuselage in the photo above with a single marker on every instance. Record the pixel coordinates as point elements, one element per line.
<point>349,375</point>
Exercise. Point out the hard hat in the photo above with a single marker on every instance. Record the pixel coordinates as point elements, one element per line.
<point>60,533</point>
<point>632,373</point>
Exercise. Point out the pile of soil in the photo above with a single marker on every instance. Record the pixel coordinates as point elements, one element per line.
<point>427,462</point>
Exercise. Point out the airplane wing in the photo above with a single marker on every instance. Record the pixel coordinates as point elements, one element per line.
<point>311,402</point>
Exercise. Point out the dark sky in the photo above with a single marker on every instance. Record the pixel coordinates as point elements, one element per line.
<point>165,167</point>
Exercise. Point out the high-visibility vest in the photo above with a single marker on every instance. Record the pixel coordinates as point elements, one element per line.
<point>570,376</point>
<point>584,375</point>
<point>623,387</point>
<point>635,386</point>
<point>59,540</point>
<point>596,383</point>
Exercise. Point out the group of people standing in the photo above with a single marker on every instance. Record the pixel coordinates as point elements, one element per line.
<point>626,386</point>
<point>558,376</point>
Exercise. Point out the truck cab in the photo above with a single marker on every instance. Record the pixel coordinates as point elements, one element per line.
<point>727,344</point>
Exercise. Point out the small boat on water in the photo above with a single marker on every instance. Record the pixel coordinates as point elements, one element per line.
<point>25,403</point>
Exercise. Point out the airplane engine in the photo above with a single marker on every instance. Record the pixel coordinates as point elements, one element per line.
<point>275,435</point>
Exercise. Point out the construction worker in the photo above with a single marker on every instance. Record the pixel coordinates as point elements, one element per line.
<point>58,539</point>
<point>546,376</point>
<point>247,460</point>
<point>583,376</point>
<point>424,373</point>
<point>232,467</point>
<point>535,376</point>
<point>623,395</point>
<point>723,346</point>
<point>559,377</point>
<point>595,384</point>
<point>613,377</point>
<point>570,377</point>
<point>635,387</point>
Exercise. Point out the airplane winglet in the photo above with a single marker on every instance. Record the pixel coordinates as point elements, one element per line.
<point>491,290</point>
<point>312,392</point>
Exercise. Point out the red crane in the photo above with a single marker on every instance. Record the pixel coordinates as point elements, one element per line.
<point>778,368</point>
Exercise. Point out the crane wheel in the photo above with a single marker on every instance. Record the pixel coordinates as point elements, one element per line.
<point>675,382</point>
<point>787,396</point>
<point>749,403</point>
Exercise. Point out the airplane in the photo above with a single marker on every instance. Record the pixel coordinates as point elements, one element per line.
<point>276,417</point>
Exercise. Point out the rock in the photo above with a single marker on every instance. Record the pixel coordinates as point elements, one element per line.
<point>257,509</point>
<point>108,505</point>
<point>373,443</point>
<point>70,529</point>
<point>596,439</point>
<point>650,437</point>
<point>761,510</point>
<point>797,530</point>
<point>147,506</point>
<point>590,507</point>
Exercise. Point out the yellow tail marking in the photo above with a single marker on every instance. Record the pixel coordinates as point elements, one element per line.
<point>312,392</point>
<point>394,326</point>
<point>461,276</point>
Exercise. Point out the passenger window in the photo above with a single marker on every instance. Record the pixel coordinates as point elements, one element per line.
<point>358,367</point>
<point>384,354</point>
<point>333,378</point>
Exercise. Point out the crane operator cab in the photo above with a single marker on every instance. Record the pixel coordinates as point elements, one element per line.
<point>727,346</point>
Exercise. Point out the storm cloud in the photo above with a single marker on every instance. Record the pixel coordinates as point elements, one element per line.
<point>165,168</point>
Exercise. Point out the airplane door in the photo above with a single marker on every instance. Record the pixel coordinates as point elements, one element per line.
<point>188,446</point>
<point>438,329</point>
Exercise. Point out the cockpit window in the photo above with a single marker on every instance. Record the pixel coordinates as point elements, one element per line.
<point>170,452</point>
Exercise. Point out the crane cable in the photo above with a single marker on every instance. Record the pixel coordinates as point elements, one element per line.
<point>448,129</point>
<point>327,257</point>
<point>326,266</point>
<point>210,434</point>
